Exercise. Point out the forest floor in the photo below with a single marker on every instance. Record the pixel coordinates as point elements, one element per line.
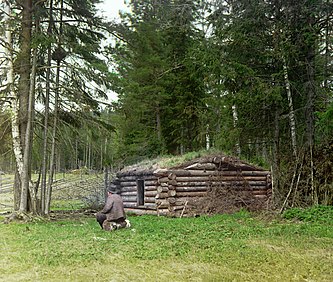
<point>235,247</point>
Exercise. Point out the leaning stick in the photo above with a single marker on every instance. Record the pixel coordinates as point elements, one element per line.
<point>181,215</point>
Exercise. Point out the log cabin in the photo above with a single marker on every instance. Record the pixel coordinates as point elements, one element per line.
<point>176,191</point>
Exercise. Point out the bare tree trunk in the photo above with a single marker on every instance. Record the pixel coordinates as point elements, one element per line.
<point>106,180</point>
<point>26,176</point>
<point>55,121</point>
<point>14,106</point>
<point>101,155</point>
<point>327,49</point>
<point>207,137</point>
<point>76,155</point>
<point>158,123</point>
<point>235,119</point>
<point>53,149</point>
<point>54,141</point>
<point>46,114</point>
<point>182,148</point>
<point>297,172</point>
<point>276,158</point>
<point>291,109</point>
<point>311,93</point>
<point>89,155</point>
<point>24,70</point>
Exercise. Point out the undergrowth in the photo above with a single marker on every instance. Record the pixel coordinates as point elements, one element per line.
<point>318,213</point>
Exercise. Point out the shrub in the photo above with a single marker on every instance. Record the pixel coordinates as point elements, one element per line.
<point>313,214</point>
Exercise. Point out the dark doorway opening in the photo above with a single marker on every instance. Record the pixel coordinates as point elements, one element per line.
<point>141,192</point>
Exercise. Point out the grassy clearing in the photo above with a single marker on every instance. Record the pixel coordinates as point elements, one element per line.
<point>61,205</point>
<point>236,247</point>
<point>71,191</point>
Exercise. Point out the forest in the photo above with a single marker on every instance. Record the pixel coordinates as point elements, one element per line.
<point>251,78</point>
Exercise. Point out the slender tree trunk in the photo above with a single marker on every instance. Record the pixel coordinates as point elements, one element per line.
<point>54,141</point>
<point>235,119</point>
<point>101,155</point>
<point>14,107</point>
<point>207,137</point>
<point>311,94</point>
<point>276,158</point>
<point>158,123</point>
<point>106,181</point>
<point>311,90</point>
<point>76,155</point>
<point>26,181</point>
<point>291,109</point>
<point>182,148</point>
<point>327,51</point>
<point>24,70</point>
<point>55,120</point>
<point>89,155</point>
<point>86,152</point>
<point>46,114</point>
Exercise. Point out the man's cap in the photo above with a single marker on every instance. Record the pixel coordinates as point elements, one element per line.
<point>112,189</point>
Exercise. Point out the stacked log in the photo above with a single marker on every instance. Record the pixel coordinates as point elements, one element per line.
<point>168,191</point>
<point>177,186</point>
<point>129,193</point>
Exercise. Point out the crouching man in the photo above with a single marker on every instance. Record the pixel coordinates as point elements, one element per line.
<point>112,216</point>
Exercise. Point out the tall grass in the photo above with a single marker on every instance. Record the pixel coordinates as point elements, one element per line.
<point>237,247</point>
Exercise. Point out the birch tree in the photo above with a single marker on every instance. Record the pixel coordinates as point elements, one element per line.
<point>28,48</point>
<point>46,111</point>
<point>291,108</point>
<point>26,89</point>
<point>10,100</point>
<point>21,103</point>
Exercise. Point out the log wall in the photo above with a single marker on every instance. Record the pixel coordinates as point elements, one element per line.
<point>167,191</point>
<point>127,185</point>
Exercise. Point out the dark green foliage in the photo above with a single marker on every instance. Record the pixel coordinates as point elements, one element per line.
<point>161,93</point>
<point>76,45</point>
<point>323,172</point>
<point>322,214</point>
<point>241,48</point>
<point>325,125</point>
<point>191,75</point>
<point>196,73</point>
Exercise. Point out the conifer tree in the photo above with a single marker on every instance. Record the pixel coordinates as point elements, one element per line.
<point>160,97</point>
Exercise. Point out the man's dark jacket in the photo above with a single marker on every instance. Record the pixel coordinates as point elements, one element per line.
<point>114,208</point>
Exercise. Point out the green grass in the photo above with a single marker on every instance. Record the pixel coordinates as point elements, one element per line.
<point>65,205</point>
<point>318,213</point>
<point>238,247</point>
<point>168,161</point>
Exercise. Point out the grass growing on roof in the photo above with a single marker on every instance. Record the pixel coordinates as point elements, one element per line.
<point>236,247</point>
<point>169,161</point>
